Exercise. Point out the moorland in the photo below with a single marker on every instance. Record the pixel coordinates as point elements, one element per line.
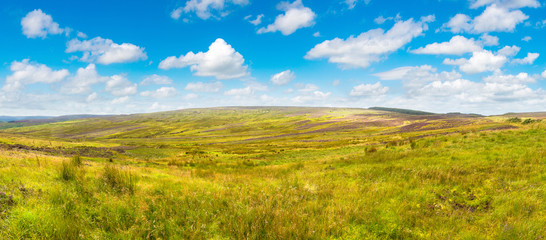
<point>275,173</point>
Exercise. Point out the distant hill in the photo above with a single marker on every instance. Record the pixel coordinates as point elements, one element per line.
<point>401,110</point>
<point>20,121</point>
<point>21,118</point>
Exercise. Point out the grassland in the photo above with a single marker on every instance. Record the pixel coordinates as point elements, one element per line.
<point>275,173</point>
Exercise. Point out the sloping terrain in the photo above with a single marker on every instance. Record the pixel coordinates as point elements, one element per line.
<point>276,173</point>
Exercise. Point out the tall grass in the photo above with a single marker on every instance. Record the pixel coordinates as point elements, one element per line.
<point>118,180</point>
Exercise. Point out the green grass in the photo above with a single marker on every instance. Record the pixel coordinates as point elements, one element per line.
<point>262,173</point>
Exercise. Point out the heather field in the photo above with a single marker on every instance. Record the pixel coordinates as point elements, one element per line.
<point>275,173</point>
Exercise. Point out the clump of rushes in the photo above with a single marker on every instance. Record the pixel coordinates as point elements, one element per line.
<point>70,170</point>
<point>118,180</point>
<point>77,160</point>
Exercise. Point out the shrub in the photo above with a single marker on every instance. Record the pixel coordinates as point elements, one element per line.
<point>119,180</point>
<point>514,120</point>
<point>529,121</point>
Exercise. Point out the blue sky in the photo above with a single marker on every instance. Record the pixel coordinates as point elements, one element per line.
<point>113,57</point>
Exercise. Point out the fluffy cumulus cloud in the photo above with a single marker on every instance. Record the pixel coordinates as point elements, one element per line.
<point>493,19</point>
<point>163,92</point>
<point>505,3</point>
<point>26,72</point>
<point>368,90</point>
<point>521,78</point>
<point>204,87</point>
<point>84,79</point>
<point>481,61</point>
<point>220,61</point>
<point>156,79</point>
<point>118,85</point>
<point>456,46</point>
<point>530,59</point>
<point>295,16</point>
<point>105,51</point>
<point>423,84</point>
<point>415,78</point>
<point>206,9</point>
<point>543,74</point>
<point>370,46</point>
<point>38,24</point>
<point>283,77</point>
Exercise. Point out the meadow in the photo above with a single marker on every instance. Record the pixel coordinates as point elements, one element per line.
<point>276,173</point>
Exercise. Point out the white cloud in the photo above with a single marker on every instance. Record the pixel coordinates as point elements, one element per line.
<point>283,77</point>
<point>205,9</point>
<point>489,40</point>
<point>352,3</point>
<point>530,59</point>
<point>448,92</point>
<point>84,79</point>
<point>105,51</point>
<point>459,23</point>
<point>221,62</point>
<point>370,46</point>
<point>156,79</point>
<point>250,89</point>
<point>456,46</point>
<point>92,97</point>
<point>415,78</point>
<point>190,96</point>
<point>163,92</point>
<point>484,60</point>
<point>527,38</point>
<point>176,13</point>
<point>311,97</point>
<point>118,85</point>
<point>481,61</point>
<point>120,100</point>
<point>239,91</point>
<point>493,19</point>
<point>543,74</point>
<point>336,82</point>
<point>295,16</point>
<point>380,20</point>
<point>317,34</point>
<point>506,3</point>
<point>309,87</point>
<point>368,90</point>
<point>256,21</point>
<point>38,24</point>
<point>81,35</point>
<point>521,78</point>
<point>204,87</point>
<point>509,51</point>
<point>26,72</point>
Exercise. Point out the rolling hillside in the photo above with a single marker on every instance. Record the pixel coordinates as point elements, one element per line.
<point>275,172</point>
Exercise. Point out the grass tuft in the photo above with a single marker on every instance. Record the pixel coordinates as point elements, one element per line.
<point>119,180</point>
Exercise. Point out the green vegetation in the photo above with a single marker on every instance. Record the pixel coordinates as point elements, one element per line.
<point>275,173</point>
<point>400,110</point>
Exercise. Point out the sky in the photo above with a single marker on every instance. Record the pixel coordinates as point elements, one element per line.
<point>119,57</point>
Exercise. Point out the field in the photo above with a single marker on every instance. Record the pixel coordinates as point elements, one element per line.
<point>276,173</point>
